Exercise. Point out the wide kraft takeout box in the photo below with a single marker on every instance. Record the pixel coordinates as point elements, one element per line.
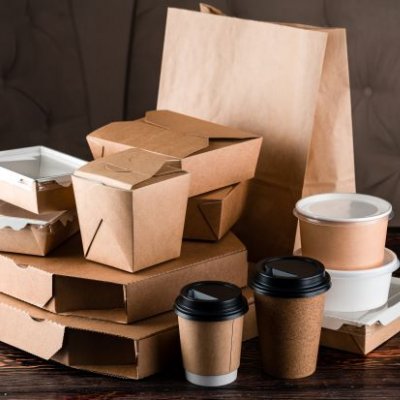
<point>211,215</point>
<point>131,208</point>
<point>364,331</point>
<point>37,179</point>
<point>64,282</point>
<point>216,156</point>
<point>24,232</point>
<point>127,351</point>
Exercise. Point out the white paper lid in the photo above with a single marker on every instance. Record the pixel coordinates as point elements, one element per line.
<point>343,207</point>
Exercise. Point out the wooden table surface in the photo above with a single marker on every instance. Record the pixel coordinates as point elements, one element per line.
<point>339,375</point>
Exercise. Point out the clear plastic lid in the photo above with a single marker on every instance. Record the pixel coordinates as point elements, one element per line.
<point>343,207</point>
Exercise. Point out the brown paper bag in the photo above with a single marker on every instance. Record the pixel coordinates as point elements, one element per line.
<point>288,83</point>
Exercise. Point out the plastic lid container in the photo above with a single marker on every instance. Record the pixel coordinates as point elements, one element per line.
<point>343,207</point>
<point>211,301</point>
<point>290,277</point>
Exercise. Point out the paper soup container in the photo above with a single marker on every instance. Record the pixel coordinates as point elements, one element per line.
<point>344,231</point>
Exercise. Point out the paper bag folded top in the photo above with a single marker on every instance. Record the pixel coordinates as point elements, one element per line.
<point>216,156</point>
<point>24,232</point>
<point>131,207</point>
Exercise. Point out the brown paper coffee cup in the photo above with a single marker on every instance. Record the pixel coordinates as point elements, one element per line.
<point>289,298</point>
<point>289,332</point>
<point>211,348</point>
<point>210,316</point>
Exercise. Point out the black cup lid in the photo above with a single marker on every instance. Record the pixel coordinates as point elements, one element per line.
<point>291,276</point>
<point>210,301</point>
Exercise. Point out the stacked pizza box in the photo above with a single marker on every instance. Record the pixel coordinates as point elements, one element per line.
<point>102,300</point>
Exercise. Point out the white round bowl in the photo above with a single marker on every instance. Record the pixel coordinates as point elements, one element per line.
<point>360,290</point>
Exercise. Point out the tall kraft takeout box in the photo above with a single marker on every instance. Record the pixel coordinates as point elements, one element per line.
<point>216,156</point>
<point>128,351</point>
<point>65,282</point>
<point>131,208</point>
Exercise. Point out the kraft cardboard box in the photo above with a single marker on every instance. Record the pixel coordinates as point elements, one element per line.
<point>131,208</point>
<point>127,351</point>
<point>24,232</point>
<point>216,156</point>
<point>37,179</point>
<point>363,332</point>
<point>210,216</point>
<point>65,282</point>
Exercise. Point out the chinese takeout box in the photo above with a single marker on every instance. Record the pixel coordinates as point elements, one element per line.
<point>362,332</point>
<point>211,215</point>
<point>37,179</point>
<point>24,232</point>
<point>131,208</point>
<point>216,156</point>
<point>65,282</point>
<point>127,351</point>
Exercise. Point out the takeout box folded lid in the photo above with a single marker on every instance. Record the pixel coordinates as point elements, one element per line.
<point>168,133</point>
<point>18,218</point>
<point>126,169</point>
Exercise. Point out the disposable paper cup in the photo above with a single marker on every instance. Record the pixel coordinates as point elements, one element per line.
<point>344,231</point>
<point>210,316</point>
<point>289,299</point>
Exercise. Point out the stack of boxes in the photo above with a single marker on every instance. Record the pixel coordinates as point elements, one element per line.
<point>103,301</point>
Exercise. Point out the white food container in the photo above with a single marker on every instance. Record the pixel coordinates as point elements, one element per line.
<point>37,179</point>
<point>344,231</point>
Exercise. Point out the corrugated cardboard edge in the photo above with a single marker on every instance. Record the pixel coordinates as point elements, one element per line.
<point>154,352</point>
<point>26,282</point>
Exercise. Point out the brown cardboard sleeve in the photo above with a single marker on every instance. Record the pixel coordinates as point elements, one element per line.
<point>128,351</point>
<point>131,208</point>
<point>64,282</point>
<point>216,156</point>
<point>210,216</point>
<point>35,234</point>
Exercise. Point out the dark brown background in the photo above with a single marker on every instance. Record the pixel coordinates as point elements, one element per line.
<point>69,66</point>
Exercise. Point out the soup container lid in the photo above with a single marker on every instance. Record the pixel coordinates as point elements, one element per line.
<point>290,277</point>
<point>343,207</point>
<point>210,301</point>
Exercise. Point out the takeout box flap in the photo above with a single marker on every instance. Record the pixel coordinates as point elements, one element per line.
<point>106,216</point>
<point>124,170</point>
<point>40,337</point>
<point>193,126</point>
<point>25,282</point>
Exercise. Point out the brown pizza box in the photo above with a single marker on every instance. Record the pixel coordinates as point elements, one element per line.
<point>216,156</point>
<point>37,234</point>
<point>210,216</point>
<point>37,179</point>
<point>127,351</point>
<point>364,331</point>
<point>65,282</point>
<point>131,208</point>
